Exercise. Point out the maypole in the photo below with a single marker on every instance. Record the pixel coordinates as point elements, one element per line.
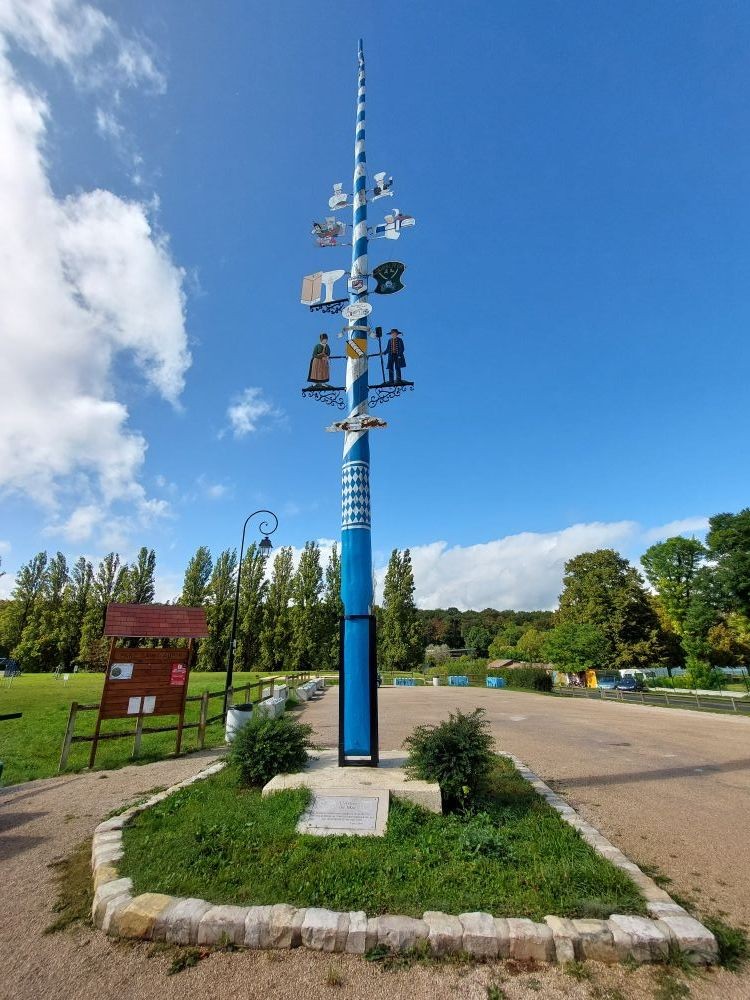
<point>359,715</point>
<point>358,711</point>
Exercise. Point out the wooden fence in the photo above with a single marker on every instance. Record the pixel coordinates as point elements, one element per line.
<point>204,719</point>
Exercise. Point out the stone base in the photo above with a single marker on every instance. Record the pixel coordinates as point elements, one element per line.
<point>323,774</point>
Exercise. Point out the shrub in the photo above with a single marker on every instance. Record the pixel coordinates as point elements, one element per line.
<point>266,747</point>
<point>528,678</point>
<point>456,753</point>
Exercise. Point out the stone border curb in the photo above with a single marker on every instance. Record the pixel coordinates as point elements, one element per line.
<point>158,917</point>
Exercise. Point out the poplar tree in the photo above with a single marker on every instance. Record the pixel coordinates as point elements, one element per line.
<point>307,610</point>
<point>106,587</point>
<point>253,590</point>
<point>400,640</point>
<point>276,637</point>
<point>76,602</point>
<point>221,589</point>
<point>197,577</point>
<point>331,611</point>
<point>138,583</point>
<point>39,647</point>
<point>27,592</point>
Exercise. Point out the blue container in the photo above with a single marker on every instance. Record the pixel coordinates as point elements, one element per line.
<point>458,680</point>
<point>404,682</point>
<point>496,682</point>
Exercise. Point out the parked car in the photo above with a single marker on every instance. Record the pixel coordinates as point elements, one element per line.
<point>630,683</point>
<point>608,682</point>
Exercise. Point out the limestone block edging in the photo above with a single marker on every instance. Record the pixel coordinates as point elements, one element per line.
<point>159,917</point>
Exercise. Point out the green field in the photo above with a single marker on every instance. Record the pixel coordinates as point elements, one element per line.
<point>30,746</point>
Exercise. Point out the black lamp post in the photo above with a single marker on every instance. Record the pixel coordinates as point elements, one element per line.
<point>265,547</point>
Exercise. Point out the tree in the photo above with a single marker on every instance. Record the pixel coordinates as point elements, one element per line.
<point>220,604</point>
<point>76,602</point>
<point>576,646</point>
<point>39,647</point>
<point>332,610</point>
<point>138,584</point>
<point>400,636</point>
<point>106,588</point>
<point>478,638</point>
<point>671,568</point>
<point>729,641</point>
<point>253,589</point>
<point>602,589</point>
<point>31,580</point>
<point>728,541</point>
<point>276,637</point>
<point>197,577</point>
<point>307,612</point>
<point>530,647</point>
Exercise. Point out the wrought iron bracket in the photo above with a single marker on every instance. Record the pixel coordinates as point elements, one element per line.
<point>387,391</point>
<point>329,307</point>
<point>331,395</point>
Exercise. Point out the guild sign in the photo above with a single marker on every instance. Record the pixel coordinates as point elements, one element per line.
<point>356,310</point>
<point>320,282</point>
<point>357,285</point>
<point>388,277</point>
<point>326,233</point>
<point>395,221</point>
<point>338,199</point>
<point>356,348</point>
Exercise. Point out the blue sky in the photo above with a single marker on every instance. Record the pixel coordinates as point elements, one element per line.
<point>576,307</point>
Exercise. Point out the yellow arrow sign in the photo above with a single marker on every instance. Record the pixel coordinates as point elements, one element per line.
<point>357,348</point>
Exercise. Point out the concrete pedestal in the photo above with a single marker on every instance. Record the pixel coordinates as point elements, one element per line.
<point>324,775</point>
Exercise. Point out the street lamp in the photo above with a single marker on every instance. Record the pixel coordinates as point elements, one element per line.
<point>265,547</point>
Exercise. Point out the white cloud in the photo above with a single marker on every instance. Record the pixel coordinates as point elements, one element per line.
<point>248,410</point>
<point>86,41</point>
<point>522,571</point>
<point>83,281</point>
<point>686,526</point>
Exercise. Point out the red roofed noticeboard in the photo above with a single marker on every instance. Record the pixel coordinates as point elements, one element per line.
<point>142,681</point>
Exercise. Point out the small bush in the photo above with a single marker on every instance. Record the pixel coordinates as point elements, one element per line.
<point>266,747</point>
<point>456,753</point>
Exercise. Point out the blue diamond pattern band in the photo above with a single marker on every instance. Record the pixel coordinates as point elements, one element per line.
<point>355,495</point>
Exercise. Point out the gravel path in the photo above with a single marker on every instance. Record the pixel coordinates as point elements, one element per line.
<point>43,821</point>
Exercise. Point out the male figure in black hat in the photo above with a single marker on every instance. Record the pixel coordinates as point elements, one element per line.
<point>396,359</point>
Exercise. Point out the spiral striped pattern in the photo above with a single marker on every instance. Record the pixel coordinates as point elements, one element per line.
<point>356,548</point>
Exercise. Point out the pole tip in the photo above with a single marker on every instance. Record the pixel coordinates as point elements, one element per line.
<point>361,46</point>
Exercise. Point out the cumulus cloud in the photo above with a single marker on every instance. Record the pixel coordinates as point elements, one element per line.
<point>522,571</point>
<point>84,280</point>
<point>248,410</point>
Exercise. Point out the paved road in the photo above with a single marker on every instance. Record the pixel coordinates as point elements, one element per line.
<point>669,787</point>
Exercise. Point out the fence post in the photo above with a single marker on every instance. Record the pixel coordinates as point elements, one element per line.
<point>138,735</point>
<point>734,707</point>
<point>666,695</point>
<point>68,735</point>
<point>202,721</point>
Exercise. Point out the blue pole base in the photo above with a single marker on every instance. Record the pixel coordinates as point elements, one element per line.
<point>358,692</point>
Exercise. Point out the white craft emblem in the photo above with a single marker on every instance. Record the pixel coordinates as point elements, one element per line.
<point>339,198</point>
<point>382,188</point>
<point>356,310</point>
<point>314,284</point>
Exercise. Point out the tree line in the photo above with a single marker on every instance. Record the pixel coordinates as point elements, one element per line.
<point>697,612</point>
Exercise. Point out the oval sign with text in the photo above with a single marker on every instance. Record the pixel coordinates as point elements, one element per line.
<point>356,310</point>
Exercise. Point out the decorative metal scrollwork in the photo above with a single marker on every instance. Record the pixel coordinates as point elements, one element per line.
<point>330,307</point>
<point>331,396</point>
<point>388,391</point>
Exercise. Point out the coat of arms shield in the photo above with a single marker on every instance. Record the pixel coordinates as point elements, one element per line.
<point>388,277</point>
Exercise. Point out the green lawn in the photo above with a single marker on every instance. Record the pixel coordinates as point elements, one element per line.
<point>30,746</point>
<point>218,841</point>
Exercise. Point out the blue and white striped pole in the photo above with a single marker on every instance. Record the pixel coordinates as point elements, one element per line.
<point>359,713</point>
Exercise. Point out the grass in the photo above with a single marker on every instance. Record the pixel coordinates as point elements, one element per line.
<point>30,746</point>
<point>74,889</point>
<point>220,842</point>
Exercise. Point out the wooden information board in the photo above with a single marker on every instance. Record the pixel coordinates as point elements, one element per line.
<point>141,682</point>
